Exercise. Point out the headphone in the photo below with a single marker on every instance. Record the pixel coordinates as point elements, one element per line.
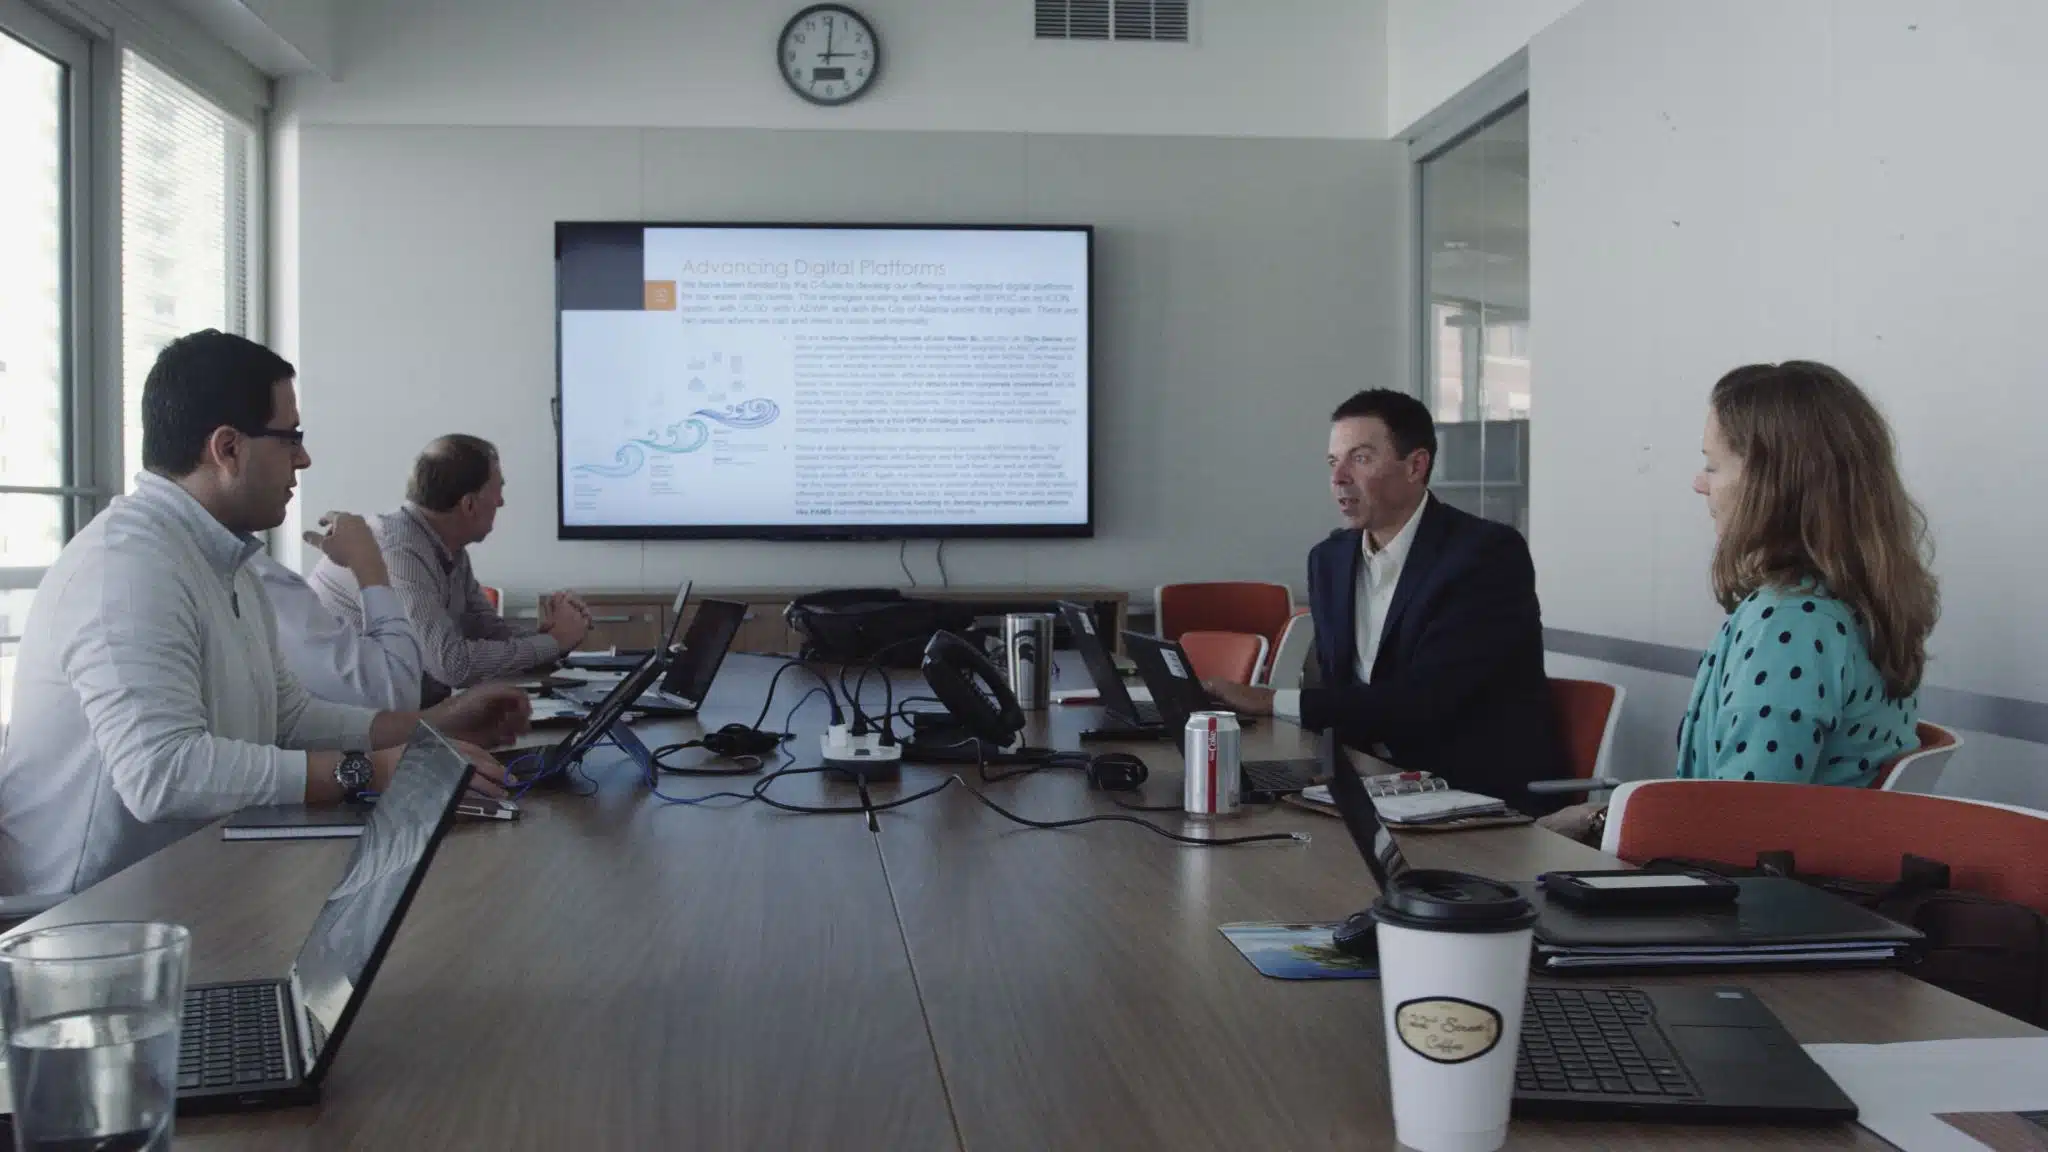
<point>963,679</point>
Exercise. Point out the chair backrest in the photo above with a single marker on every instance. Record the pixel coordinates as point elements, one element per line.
<point>496,596</point>
<point>1290,655</point>
<point>1853,833</point>
<point>1233,656</point>
<point>1252,606</point>
<point>1917,771</point>
<point>1588,712</point>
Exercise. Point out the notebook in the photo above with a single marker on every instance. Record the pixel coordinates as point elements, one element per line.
<point>296,822</point>
<point>1774,922</point>
<point>1400,803</point>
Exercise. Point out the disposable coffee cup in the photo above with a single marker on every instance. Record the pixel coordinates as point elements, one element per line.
<point>1454,968</point>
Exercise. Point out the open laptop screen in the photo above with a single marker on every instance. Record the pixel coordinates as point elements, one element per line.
<point>1382,854</point>
<point>361,915</point>
<point>1109,685</point>
<point>704,648</point>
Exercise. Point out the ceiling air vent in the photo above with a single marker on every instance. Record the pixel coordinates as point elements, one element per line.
<point>1112,20</point>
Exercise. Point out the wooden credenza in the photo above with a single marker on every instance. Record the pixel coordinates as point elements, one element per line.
<point>639,618</point>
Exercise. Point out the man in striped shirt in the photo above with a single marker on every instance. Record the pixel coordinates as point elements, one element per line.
<point>452,502</point>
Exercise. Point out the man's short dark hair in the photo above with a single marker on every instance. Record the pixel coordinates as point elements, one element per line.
<point>199,383</point>
<point>1407,420</point>
<point>451,467</point>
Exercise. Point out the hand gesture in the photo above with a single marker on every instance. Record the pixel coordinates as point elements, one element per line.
<point>345,538</point>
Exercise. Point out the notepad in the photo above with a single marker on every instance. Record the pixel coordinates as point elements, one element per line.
<point>1416,808</point>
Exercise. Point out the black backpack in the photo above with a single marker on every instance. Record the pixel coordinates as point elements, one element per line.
<point>1992,951</point>
<point>855,625</point>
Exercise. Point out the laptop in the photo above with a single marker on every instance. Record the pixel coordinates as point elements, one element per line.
<point>690,671</point>
<point>529,764</point>
<point>253,1045</point>
<point>625,660</point>
<point>1129,719</point>
<point>1690,1055</point>
<point>1169,675</point>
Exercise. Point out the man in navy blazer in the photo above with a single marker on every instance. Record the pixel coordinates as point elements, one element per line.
<point>1428,635</point>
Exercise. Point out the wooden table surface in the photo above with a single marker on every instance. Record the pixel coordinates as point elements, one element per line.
<point>613,972</point>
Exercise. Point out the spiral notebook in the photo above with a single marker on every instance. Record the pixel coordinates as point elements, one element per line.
<point>1417,798</point>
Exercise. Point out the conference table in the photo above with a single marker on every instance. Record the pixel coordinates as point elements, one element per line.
<point>612,971</point>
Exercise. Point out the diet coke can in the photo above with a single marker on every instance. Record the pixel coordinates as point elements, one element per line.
<point>1213,769</point>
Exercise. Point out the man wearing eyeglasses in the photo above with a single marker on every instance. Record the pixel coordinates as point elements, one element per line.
<point>150,694</point>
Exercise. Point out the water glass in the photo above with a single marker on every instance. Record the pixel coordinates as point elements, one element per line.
<point>91,1013</point>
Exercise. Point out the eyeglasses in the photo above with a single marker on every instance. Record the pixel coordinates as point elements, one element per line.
<point>296,437</point>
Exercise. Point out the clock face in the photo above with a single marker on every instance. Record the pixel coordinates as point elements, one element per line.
<point>829,54</point>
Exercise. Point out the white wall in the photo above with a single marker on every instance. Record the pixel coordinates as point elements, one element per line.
<point>1437,47</point>
<point>1273,68</point>
<point>1245,282</point>
<point>1846,180</point>
<point>1243,288</point>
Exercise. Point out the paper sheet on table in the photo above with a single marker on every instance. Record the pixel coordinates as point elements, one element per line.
<point>588,676</point>
<point>1903,1091</point>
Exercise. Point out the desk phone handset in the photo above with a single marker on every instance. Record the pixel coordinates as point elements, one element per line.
<point>965,680</point>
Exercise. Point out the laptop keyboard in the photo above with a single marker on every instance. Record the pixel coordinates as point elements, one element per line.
<point>1596,1042</point>
<point>231,1036</point>
<point>1276,775</point>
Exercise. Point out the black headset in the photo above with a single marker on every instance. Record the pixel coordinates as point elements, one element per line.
<point>964,680</point>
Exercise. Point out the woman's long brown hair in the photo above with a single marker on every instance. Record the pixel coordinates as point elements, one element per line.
<point>1821,499</point>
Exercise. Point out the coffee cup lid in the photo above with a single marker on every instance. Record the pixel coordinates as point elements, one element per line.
<point>1432,900</point>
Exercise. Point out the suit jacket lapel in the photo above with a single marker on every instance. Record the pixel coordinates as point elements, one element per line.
<point>1422,553</point>
<point>1343,584</point>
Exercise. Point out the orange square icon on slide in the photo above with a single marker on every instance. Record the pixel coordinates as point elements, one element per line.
<point>661,296</point>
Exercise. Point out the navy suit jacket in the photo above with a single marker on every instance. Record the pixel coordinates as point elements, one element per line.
<point>1457,686</point>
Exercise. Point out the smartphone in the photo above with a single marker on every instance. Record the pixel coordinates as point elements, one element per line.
<point>1639,891</point>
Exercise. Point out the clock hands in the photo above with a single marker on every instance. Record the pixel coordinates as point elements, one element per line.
<point>828,55</point>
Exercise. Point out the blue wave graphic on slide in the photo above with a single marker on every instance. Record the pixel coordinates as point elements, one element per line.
<point>684,436</point>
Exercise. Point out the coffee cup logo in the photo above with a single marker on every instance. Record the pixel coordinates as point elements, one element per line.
<point>1446,1029</point>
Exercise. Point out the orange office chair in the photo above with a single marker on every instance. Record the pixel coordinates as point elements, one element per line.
<point>1233,656</point>
<point>496,596</point>
<point>1252,606</point>
<point>1853,833</point>
<point>1917,771</point>
<point>1588,712</point>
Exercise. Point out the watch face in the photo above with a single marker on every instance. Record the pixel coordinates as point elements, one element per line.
<point>829,54</point>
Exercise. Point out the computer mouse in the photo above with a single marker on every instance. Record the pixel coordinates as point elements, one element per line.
<point>1355,936</point>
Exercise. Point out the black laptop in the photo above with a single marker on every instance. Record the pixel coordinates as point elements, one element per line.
<point>1690,1055</point>
<point>625,660</point>
<point>691,670</point>
<point>1129,719</point>
<point>531,764</point>
<point>1170,676</point>
<point>259,1044</point>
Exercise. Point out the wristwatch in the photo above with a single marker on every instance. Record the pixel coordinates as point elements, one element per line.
<point>1596,826</point>
<point>353,776</point>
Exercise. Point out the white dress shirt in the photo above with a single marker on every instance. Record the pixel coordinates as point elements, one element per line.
<point>1378,576</point>
<point>374,664</point>
<point>149,698</point>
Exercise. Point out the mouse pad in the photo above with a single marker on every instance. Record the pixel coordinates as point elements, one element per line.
<point>1297,952</point>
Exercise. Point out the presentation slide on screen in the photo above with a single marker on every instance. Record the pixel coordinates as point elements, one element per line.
<point>832,378</point>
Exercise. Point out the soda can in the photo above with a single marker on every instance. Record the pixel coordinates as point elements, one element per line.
<point>1214,771</point>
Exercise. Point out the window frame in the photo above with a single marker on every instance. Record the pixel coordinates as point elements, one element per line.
<point>1493,97</point>
<point>83,489</point>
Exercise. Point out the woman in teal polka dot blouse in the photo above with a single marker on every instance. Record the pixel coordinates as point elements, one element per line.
<point>1821,560</point>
